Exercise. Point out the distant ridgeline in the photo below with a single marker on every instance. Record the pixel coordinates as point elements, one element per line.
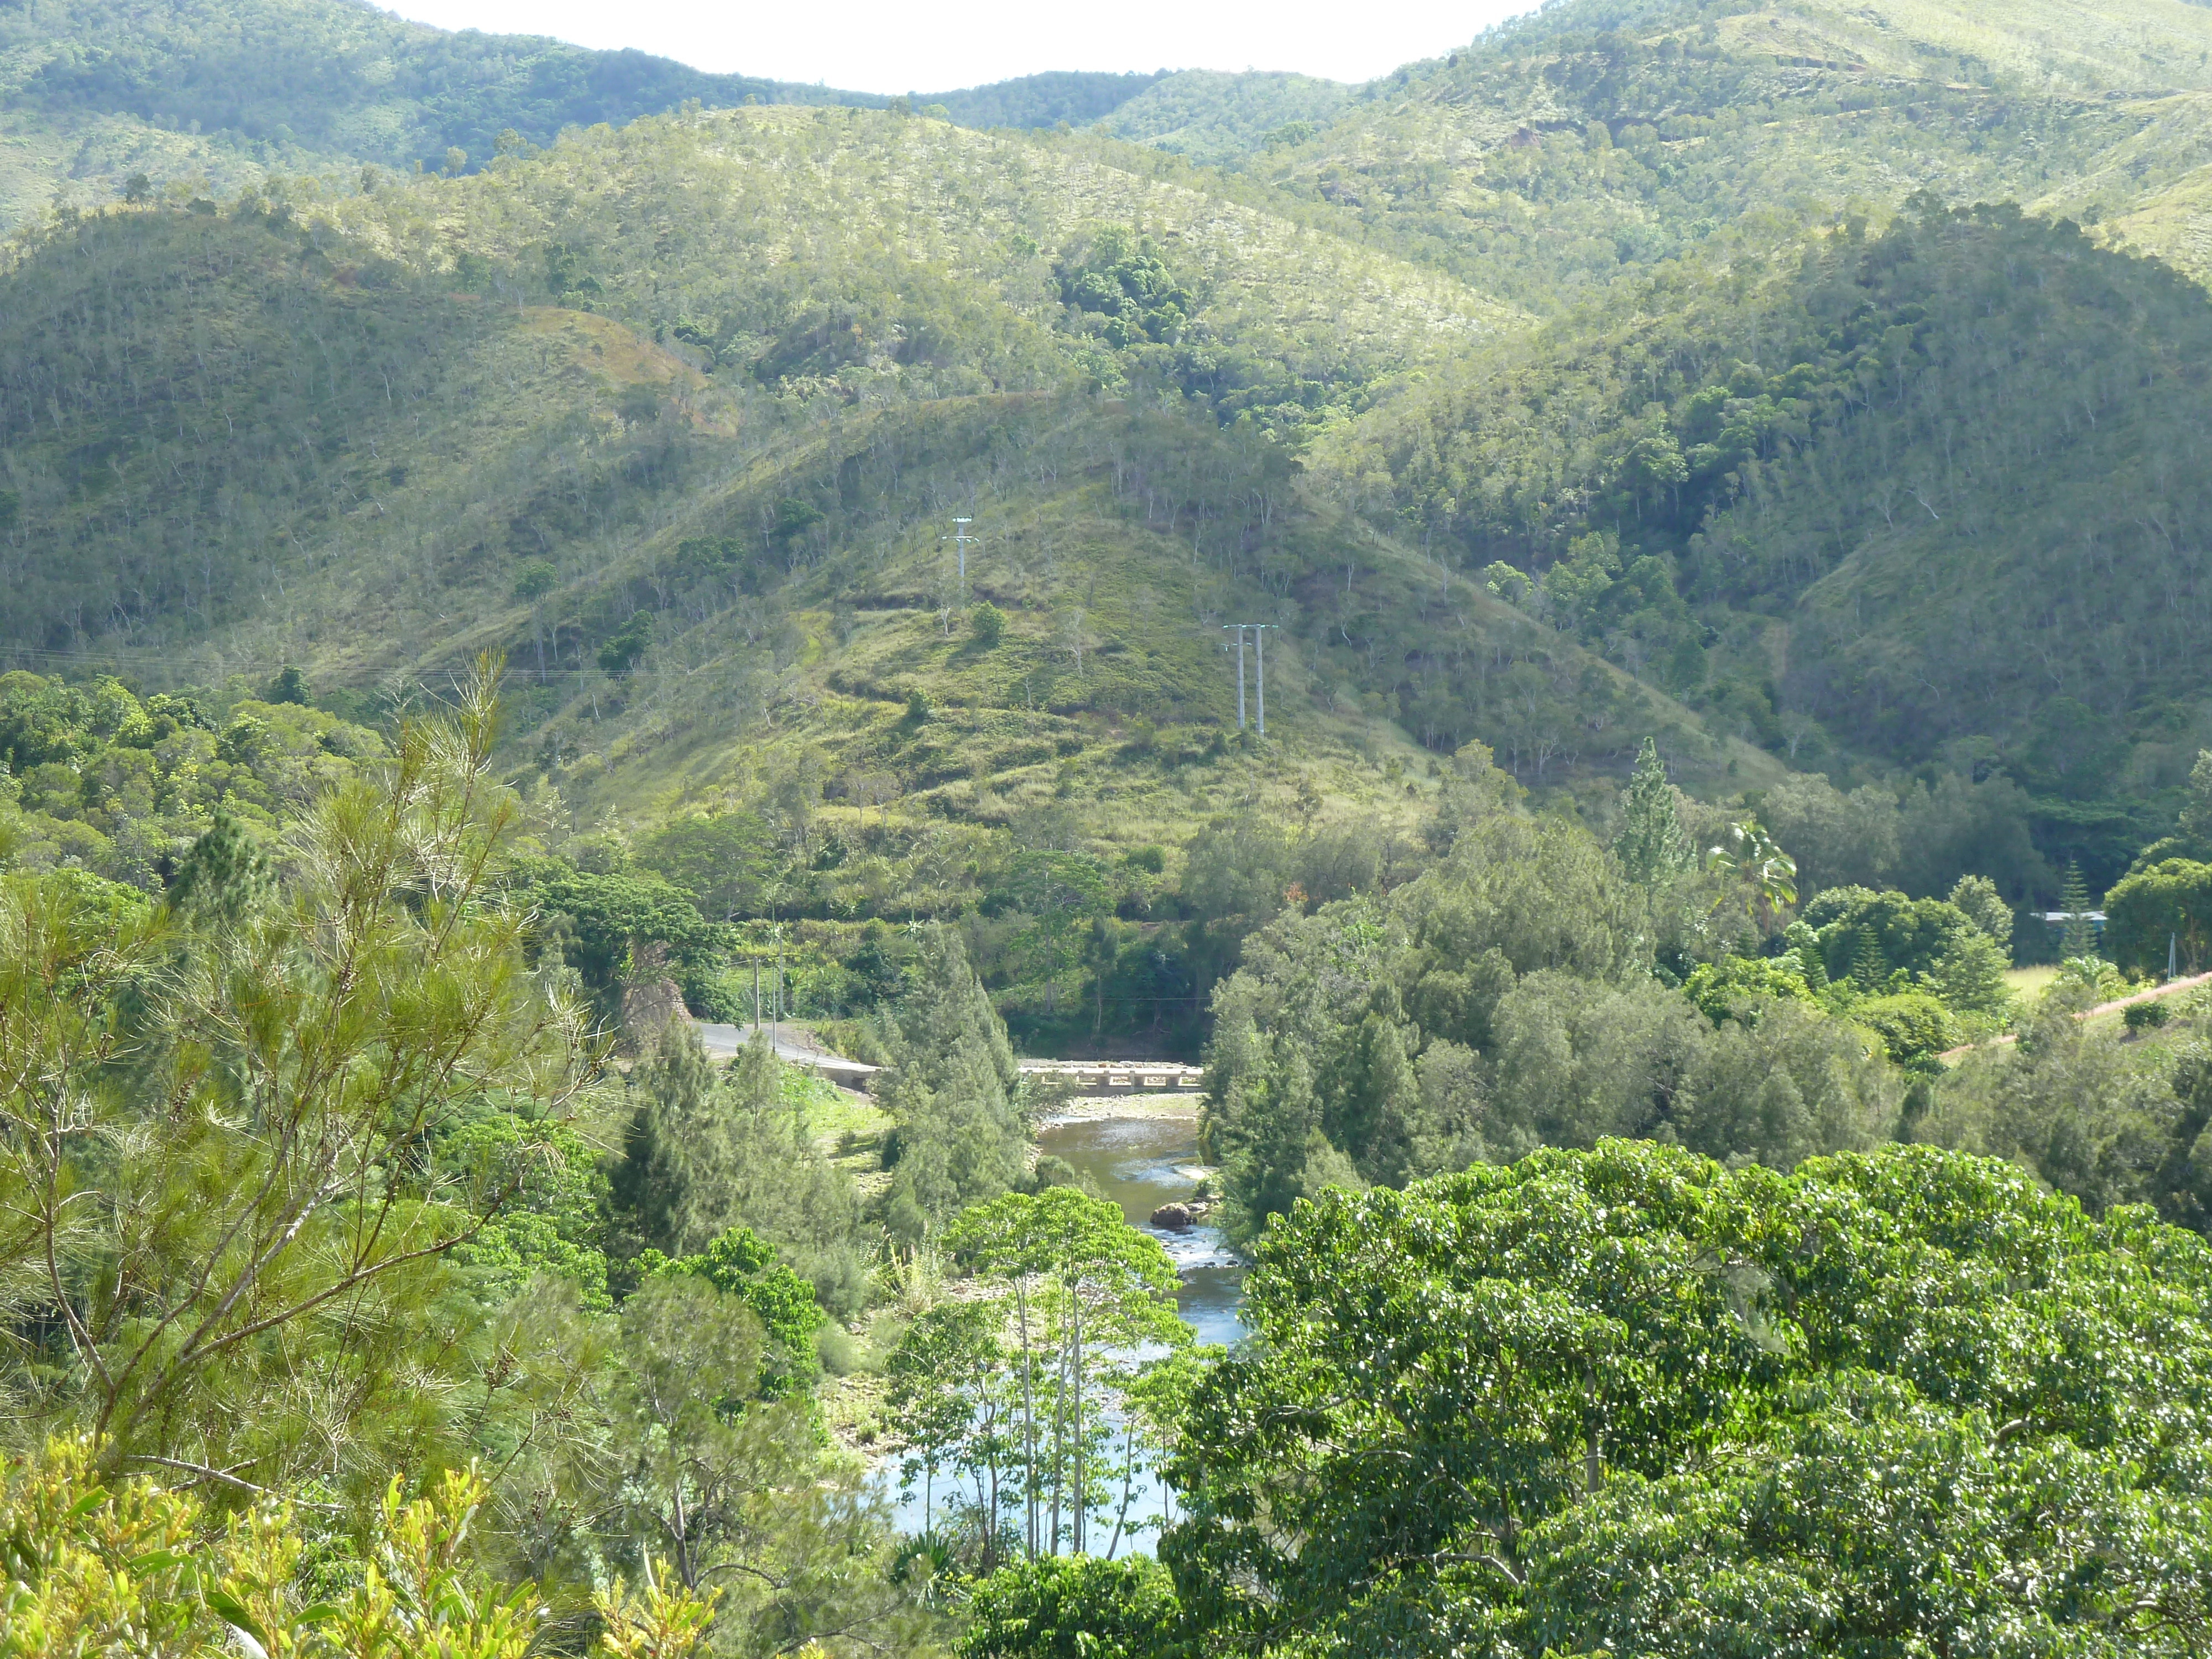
<point>218,86</point>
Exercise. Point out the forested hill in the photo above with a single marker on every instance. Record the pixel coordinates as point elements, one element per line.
<point>1661,366</point>
<point>1598,138</point>
<point>93,92</point>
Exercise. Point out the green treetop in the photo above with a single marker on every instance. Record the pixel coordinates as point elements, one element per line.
<point>2080,937</point>
<point>1650,843</point>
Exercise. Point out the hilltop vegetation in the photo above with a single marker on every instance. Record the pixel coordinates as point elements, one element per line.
<point>223,91</point>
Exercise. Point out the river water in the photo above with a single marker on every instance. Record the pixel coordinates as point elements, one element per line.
<point>1140,1161</point>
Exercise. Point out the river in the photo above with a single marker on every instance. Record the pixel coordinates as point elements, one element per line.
<point>1141,1161</point>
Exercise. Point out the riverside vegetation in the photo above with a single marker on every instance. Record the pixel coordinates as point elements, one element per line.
<point>1720,480</point>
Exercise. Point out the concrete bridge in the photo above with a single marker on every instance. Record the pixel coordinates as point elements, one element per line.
<point>1115,1077</point>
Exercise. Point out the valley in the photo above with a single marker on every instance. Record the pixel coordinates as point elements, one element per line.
<point>638,842</point>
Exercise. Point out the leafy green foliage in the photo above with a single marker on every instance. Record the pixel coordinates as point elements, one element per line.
<point>1122,283</point>
<point>739,1264</point>
<point>2165,909</point>
<point>110,1565</point>
<point>1735,987</point>
<point>1083,1607</point>
<point>1502,1001</point>
<point>1642,1397</point>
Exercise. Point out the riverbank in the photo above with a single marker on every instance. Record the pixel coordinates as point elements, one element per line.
<point>1097,1108</point>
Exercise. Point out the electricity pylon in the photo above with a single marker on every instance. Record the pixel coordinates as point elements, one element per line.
<point>960,539</point>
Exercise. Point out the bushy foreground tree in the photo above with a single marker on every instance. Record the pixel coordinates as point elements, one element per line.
<point>1625,1401</point>
<point>135,1568</point>
<point>300,1215</point>
<point>218,1120</point>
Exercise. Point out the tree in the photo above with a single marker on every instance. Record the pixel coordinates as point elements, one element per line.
<point>1063,894</point>
<point>2164,912</point>
<point>1755,871</point>
<point>223,875</point>
<point>2197,807</point>
<point>1626,1401</point>
<point>689,1357</point>
<point>1735,987</point>
<point>1650,843</point>
<point>708,1151</point>
<point>2078,937</point>
<point>628,646</point>
<point>1083,1607</point>
<point>725,863</point>
<point>212,1141</point>
<point>1085,1286</point>
<point>942,1375</point>
<point>953,1090</point>
<point>740,1265</point>
<point>1977,898</point>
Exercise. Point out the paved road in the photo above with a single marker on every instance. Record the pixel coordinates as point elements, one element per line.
<point>793,1044</point>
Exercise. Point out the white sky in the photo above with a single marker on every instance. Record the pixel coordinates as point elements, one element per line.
<point>887,47</point>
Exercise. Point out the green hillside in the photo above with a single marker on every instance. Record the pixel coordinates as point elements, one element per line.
<point>1921,494</point>
<point>1627,368</point>
<point>1218,119</point>
<point>1591,141</point>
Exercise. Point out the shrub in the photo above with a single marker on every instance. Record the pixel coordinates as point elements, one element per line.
<point>2145,1016</point>
<point>1913,1026</point>
<point>1078,1607</point>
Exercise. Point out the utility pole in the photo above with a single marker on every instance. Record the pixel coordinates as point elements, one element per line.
<point>1260,646</point>
<point>960,539</point>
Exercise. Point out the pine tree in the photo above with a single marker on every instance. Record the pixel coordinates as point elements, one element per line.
<point>1651,845</point>
<point>1869,967</point>
<point>224,875</point>
<point>953,1091</point>
<point>1807,943</point>
<point>2080,937</point>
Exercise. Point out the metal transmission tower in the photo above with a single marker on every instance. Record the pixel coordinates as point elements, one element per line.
<point>960,539</point>
<point>1260,646</point>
